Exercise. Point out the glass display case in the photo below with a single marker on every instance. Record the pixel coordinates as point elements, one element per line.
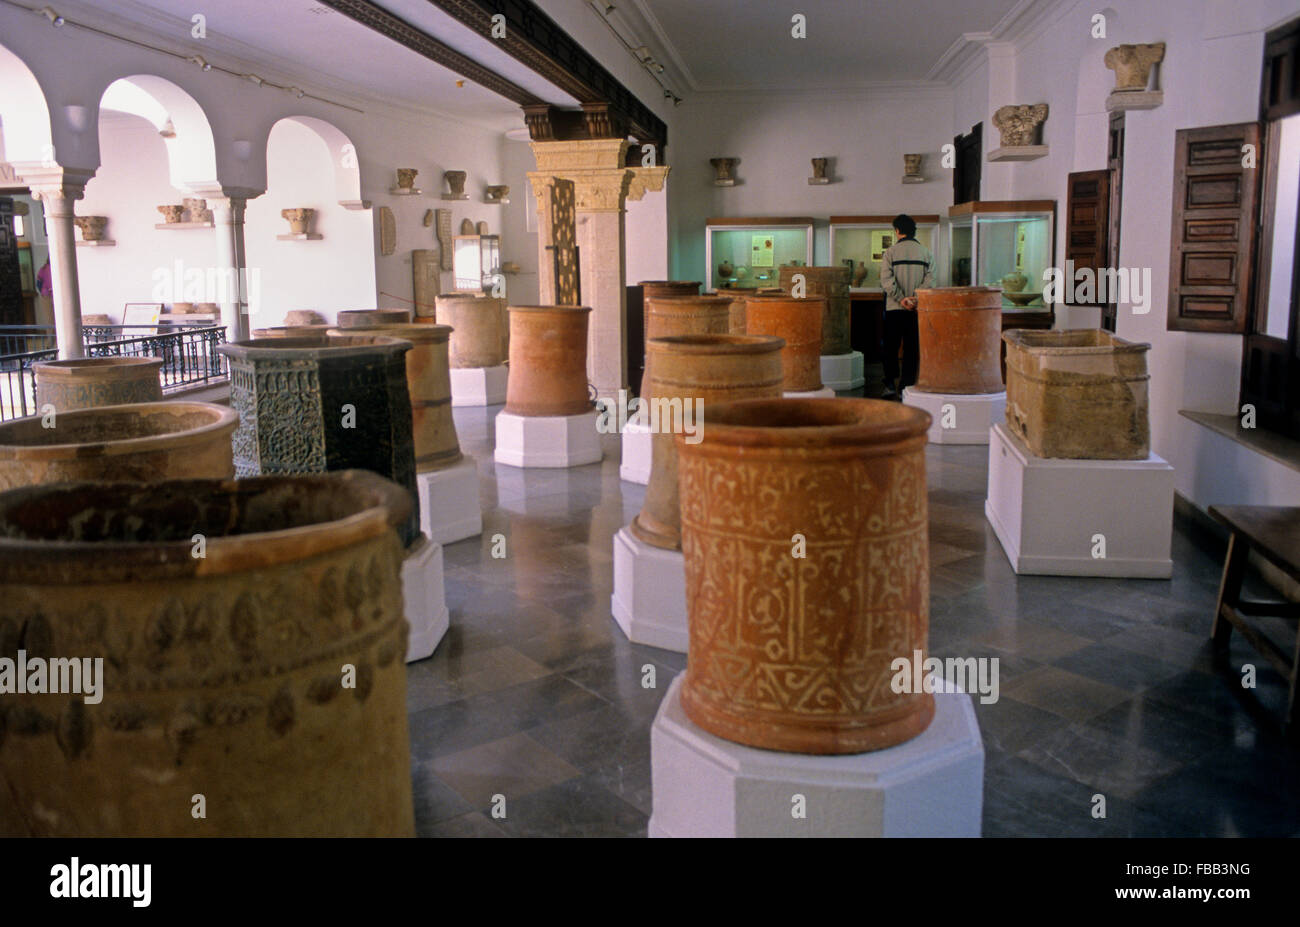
<point>747,253</point>
<point>859,242</point>
<point>476,260</point>
<point>1003,243</point>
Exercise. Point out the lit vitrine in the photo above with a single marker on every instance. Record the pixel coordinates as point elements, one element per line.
<point>1003,243</point>
<point>860,241</point>
<point>476,261</point>
<point>747,253</point>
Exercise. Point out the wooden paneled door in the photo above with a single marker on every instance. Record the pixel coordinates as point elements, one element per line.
<point>1115,166</point>
<point>1212,252</point>
<point>970,157</point>
<point>1087,232</point>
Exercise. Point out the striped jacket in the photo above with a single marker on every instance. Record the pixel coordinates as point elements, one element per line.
<point>905,267</point>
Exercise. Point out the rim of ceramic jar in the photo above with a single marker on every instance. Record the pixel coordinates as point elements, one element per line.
<point>79,364</point>
<point>407,331</point>
<point>825,422</point>
<point>837,268</point>
<point>221,418</point>
<point>716,344</point>
<point>475,296</point>
<point>323,345</point>
<point>780,297</point>
<point>309,327</point>
<point>1025,338</point>
<point>364,505</point>
<point>549,308</point>
<point>695,283</point>
<point>382,311</point>
<point>715,298</point>
<point>957,290</point>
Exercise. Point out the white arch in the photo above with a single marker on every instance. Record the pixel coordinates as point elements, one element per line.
<point>24,114</point>
<point>191,152</point>
<point>343,156</point>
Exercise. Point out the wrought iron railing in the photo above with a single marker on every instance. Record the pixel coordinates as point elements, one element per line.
<point>189,355</point>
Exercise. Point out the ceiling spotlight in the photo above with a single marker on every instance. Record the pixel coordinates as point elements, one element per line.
<point>297,93</point>
<point>253,78</point>
<point>200,61</point>
<point>54,18</point>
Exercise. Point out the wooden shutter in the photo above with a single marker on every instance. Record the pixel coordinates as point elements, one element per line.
<point>1087,208</point>
<point>1215,209</point>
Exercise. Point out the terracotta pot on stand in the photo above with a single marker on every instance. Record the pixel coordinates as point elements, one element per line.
<point>148,441</point>
<point>480,328</point>
<point>697,370</point>
<point>221,674</point>
<point>793,653</point>
<point>433,430</point>
<point>799,323</point>
<point>736,317</point>
<point>362,318</point>
<point>89,382</point>
<point>833,284</point>
<point>960,333</point>
<point>548,361</point>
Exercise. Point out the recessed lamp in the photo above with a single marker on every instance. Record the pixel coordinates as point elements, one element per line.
<point>55,19</point>
<point>200,61</point>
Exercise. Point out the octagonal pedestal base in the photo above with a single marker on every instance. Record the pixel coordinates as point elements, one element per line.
<point>844,371</point>
<point>649,600</point>
<point>479,386</point>
<point>968,419</point>
<point>930,786</point>
<point>449,506</point>
<point>547,440</point>
<point>637,440</point>
<point>824,393</point>
<point>424,597</point>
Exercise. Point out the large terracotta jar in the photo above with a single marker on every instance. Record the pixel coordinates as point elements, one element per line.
<point>145,441</point>
<point>960,331</point>
<point>480,329</point>
<point>799,323</point>
<point>833,284</point>
<point>690,372</point>
<point>307,405</point>
<point>736,316</point>
<point>87,382</point>
<point>364,318</point>
<point>654,289</point>
<point>667,316</point>
<point>1078,394</point>
<point>804,527</point>
<point>293,331</point>
<point>265,674</point>
<point>433,430</point>
<point>548,361</point>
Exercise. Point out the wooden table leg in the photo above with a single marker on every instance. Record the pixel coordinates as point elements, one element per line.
<point>1234,570</point>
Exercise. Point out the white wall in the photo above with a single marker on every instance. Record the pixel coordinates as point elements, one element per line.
<point>776,137</point>
<point>1210,76</point>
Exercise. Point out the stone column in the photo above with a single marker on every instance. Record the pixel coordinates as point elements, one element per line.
<point>542,185</point>
<point>227,205</point>
<point>58,189</point>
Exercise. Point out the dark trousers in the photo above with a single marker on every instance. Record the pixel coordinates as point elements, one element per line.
<point>900,328</point>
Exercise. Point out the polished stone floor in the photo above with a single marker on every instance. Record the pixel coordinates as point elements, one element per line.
<point>1107,686</point>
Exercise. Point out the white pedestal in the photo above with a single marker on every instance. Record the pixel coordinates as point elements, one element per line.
<point>1047,513</point>
<point>637,440</point>
<point>478,386</point>
<point>930,786</point>
<point>424,597</point>
<point>824,393</point>
<point>844,371</point>
<point>547,440</point>
<point>959,418</point>
<point>449,506</point>
<point>649,600</point>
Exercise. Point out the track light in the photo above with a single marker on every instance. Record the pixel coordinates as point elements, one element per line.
<point>296,92</point>
<point>252,78</point>
<point>200,61</point>
<point>55,19</point>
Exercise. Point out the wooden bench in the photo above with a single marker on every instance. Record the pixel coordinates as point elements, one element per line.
<point>1274,533</point>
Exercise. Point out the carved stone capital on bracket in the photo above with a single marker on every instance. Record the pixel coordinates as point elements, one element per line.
<point>224,200</point>
<point>564,158</point>
<point>646,179</point>
<point>58,188</point>
<point>601,191</point>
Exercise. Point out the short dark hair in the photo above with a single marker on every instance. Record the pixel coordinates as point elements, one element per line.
<point>905,224</point>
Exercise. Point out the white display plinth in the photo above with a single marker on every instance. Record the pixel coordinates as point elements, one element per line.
<point>547,440</point>
<point>844,371</point>
<point>966,421</point>
<point>479,386</point>
<point>824,393</point>
<point>930,786</point>
<point>449,506</point>
<point>1048,512</point>
<point>637,440</point>
<point>424,598</point>
<point>649,600</point>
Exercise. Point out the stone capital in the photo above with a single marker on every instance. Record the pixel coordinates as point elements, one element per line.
<point>221,196</point>
<point>645,179</point>
<point>563,158</point>
<point>56,187</point>
<point>601,191</point>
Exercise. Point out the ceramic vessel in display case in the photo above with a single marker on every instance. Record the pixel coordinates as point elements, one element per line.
<point>862,240</point>
<point>754,248</point>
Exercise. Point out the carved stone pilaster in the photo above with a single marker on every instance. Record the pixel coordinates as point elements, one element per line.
<point>646,179</point>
